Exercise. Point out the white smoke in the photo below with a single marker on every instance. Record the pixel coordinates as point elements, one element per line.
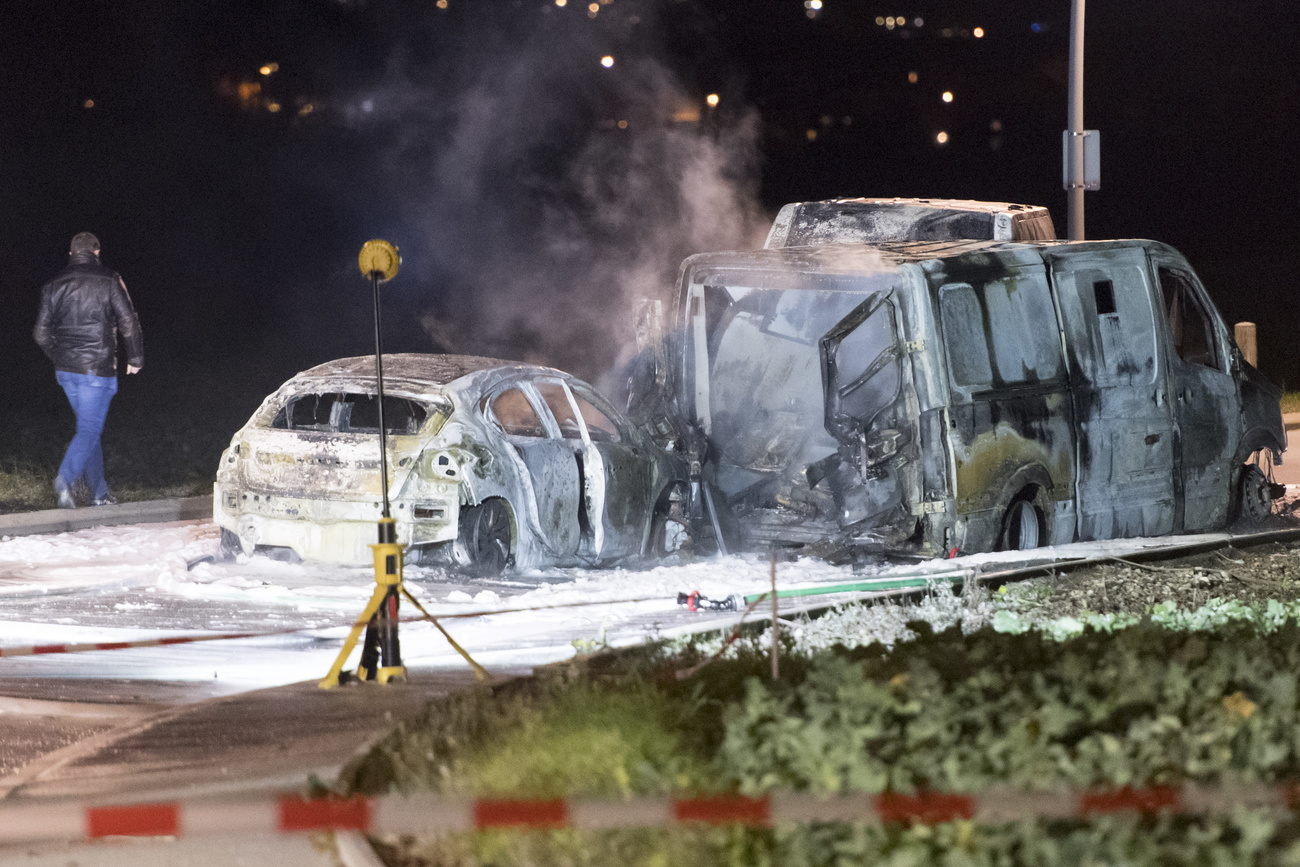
<point>551,193</point>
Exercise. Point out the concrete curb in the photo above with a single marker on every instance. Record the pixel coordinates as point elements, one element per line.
<point>67,520</point>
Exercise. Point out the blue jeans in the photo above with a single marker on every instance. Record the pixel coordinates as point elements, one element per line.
<point>90,396</point>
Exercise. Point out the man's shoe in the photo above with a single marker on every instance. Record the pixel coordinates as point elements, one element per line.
<point>64,495</point>
<point>109,499</point>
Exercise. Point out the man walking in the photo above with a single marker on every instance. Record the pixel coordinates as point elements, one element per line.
<point>83,309</point>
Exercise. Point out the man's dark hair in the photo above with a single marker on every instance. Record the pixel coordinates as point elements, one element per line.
<point>84,242</point>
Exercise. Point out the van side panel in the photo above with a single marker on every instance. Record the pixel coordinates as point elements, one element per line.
<point>1126,435</point>
<point>1010,417</point>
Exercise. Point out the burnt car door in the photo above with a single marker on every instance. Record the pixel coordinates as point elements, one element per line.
<point>862,380</point>
<point>1205,394</point>
<point>615,469</point>
<point>1126,484</point>
<point>552,475</point>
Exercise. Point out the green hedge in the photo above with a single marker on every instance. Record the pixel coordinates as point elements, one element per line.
<point>1143,705</point>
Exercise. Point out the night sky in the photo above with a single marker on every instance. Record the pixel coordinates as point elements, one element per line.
<point>233,157</point>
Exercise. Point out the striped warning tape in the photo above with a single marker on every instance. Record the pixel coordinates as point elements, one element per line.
<point>38,649</point>
<point>28,823</point>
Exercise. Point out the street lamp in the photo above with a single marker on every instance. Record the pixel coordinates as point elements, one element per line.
<point>1081,148</point>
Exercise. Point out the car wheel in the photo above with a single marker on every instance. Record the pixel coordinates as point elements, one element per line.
<point>230,546</point>
<point>1254,497</point>
<point>667,535</point>
<point>485,536</point>
<point>1022,528</point>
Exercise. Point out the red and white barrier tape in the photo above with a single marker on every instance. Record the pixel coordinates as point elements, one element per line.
<point>28,823</point>
<point>38,649</point>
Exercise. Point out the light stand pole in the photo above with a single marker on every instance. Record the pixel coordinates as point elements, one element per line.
<point>1074,182</point>
<point>381,656</point>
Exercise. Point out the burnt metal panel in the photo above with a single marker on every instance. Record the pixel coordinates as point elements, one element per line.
<point>1206,403</point>
<point>1126,432</point>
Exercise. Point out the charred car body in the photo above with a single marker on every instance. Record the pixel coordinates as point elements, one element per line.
<point>491,463</point>
<point>966,395</point>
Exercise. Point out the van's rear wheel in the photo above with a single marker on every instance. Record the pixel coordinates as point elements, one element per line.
<point>1025,524</point>
<point>485,536</point>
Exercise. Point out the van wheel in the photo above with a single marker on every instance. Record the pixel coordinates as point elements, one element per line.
<point>485,537</point>
<point>1023,527</point>
<point>1254,496</point>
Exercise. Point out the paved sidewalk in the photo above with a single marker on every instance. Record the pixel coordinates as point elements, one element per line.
<point>66,520</point>
<point>269,738</point>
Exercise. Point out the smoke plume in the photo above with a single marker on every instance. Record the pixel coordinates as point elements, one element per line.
<point>549,192</point>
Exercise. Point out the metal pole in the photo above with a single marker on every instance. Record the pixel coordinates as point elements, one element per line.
<point>379,375</point>
<point>1074,195</point>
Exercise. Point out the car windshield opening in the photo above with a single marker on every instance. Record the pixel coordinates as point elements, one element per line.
<point>350,412</point>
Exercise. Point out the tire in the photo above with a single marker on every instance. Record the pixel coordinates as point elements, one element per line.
<point>485,536</point>
<point>230,545</point>
<point>667,535</point>
<point>1254,497</point>
<point>1023,528</point>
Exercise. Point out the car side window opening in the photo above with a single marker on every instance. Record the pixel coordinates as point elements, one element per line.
<point>1189,326</point>
<point>344,412</point>
<point>600,427</point>
<point>514,414</point>
<point>1001,333</point>
<point>557,401</point>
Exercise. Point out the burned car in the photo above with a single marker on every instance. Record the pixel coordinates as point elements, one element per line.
<point>491,463</point>
<point>957,395</point>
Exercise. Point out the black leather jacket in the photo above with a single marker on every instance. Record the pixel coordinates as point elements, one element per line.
<point>83,309</point>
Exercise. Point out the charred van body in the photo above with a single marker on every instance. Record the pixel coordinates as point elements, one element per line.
<point>967,395</point>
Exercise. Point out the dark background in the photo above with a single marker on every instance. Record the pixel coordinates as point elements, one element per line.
<point>483,139</point>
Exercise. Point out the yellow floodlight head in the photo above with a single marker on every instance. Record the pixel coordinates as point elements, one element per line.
<point>380,260</point>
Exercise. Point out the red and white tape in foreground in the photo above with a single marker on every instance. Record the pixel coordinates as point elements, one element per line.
<point>29,823</point>
<point>38,649</point>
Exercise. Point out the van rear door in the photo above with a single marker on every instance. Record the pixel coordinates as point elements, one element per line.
<point>1125,480</point>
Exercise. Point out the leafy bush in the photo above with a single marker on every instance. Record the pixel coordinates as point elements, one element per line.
<point>1144,705</point>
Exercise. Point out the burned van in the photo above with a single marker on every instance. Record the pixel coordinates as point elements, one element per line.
<point>968,395</point>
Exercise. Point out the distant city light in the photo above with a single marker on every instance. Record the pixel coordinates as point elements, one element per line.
<point>912,78</point>
<point>889,23</point>
<point>561,2</point>
<point>607,61</point>
<point>811,134</point>
<point>90,103</point>
<point>942,138</point>
<point>269,68</point>
<point>622,124</point>
<point>979,32</point>
<point>947,96</point>
<point>880,21</point>
<point>814,5</point>
<point>995,125</point>
<point>592,9</point>
<point>918,22</point>
<point>1036,27</point>
<point>273,107</point>
<point>712,100</point>
<point>442,4</point>
<point>306,110</point>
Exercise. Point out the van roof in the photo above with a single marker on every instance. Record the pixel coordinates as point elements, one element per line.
<point>888,257</point>
<point>863,220</point>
